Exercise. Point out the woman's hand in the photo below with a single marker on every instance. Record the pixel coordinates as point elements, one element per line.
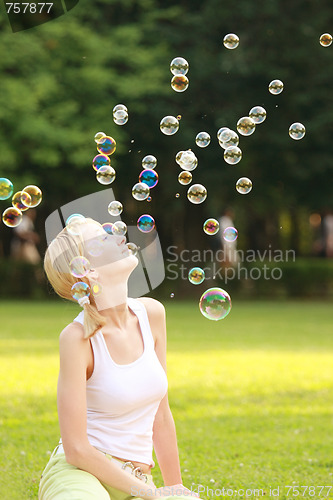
<point>176,490</point>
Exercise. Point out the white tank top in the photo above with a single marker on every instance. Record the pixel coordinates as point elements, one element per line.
<point>122,400</point>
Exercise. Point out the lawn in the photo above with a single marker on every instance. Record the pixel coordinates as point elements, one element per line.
<point>251,396</point>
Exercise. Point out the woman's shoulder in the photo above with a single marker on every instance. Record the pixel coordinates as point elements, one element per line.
<point>73,333</point>
<point>155,309</point>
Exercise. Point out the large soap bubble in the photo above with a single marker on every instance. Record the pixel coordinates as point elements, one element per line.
<point>106,145</point>
<point>21,200</point>
<point>12,217</point>
<point>179,83</point>
<point>6,188</point>
<point>80,290</point>
<point>179,66</point>
<point>100,161</point>
<point>149,177</point>
<point>202,139</point>
<point>258,114</point>
<point>232,155</point>
<point>197,193</point>
<point>106,174</point>
<point>140,191</point>
<point>115,208</point>
<point>79,266</point>
<point>246,126</point>
<point>145,223</point>
<point>169,125</point>
<point>149,162</point>
<point>215,304</point>
<point>35,194</point>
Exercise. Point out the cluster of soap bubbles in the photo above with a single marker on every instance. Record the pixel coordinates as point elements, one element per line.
<point>120,114</point>
<point>179,68</point>
<point>106,146</point>
<point>28,197</point>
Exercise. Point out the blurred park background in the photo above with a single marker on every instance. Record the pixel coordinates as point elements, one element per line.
<point>61,80</point>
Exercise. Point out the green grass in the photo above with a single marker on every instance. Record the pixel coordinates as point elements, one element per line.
<point>251,395</point>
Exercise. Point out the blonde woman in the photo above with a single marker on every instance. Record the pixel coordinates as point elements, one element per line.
<point>112,387</point>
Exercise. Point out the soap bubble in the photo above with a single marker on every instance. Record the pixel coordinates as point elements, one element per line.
<point>149,198</point>
<point>119,107</point>
<point>35,196</point>
<point>12,217</point>
<point>232,155</point>
<point>6,188</point>
<point>149,177</point>
<point>197,193</point>
<point>224,134</point>
<point>196,275</point>
<point>179,66</point>
<point>100,161</point>
<point>232,141</point>
<point>297,131</point>
<point>246,126</point>
<point>202,139</point>
<point>211,226</point>
<point>244,185</point>
<point>80,290</point>
<point>106,174</point>
<point>107,146</point>
<point>169,125</point>
<point>220,131</point>
<point>149,161</point>
<point>79,266</point>
<point>215,304</point>
<point>74,219</point>
<point>19,198</point>
<point>187,160</point>
<point>179,83</point>
<point>94,247</point>
<point>185,177</point>
<point>140,191</point>
<point>99,136</point>
<point>325,40</point>
<point>133,249</point>
<point>177,195</point>
<point>231,41</point>
<point>115,208</point>
<point>230,234</point>
<point>275,87</point>
<point>146,223</point>
<point>120,117</point>
<point>258,114</point>
<point>96,289</point>
<point>108,227</point>
<point>119,228</point>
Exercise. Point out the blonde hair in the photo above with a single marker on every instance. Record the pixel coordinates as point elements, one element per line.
<point>65,246</point>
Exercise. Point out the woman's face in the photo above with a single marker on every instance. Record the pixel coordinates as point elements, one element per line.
<point>104,249</point>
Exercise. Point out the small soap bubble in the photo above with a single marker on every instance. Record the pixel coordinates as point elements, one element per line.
<point>297,131</point>
<point>19,198</point>
<point>146,223</point>
<point>179,66</point>
<point>119,107</point>
<point>185,177</point>
<point>149,162</point>
<point>149,177</point>
<point>96,289</point>
<point>108,227</point>
<point>106,174</point>
<point>275,87</point>
<point>197,193</point>
<point>169,125</point>
<point>211,226</point>
<point>232,155</point>
<point>325,40</point>
<point>258,114</point>
<point>100,161</point>
<point>120,117</point>
<point>224,135</point>
<point>246,126</point>
<point>106,145</point>
<point>177,195</point>
<point>119,228</point>
<point>232,141</point>
<point>6,188</point>
<point>231,41</point>
<point>215,304</point>
<point>202,139</point>
<point>99,136</point>
<point>80,290</point>
<point>115,208</point>
<point>133,249</point>
<point>196,275</point>
<point>187,160</point>
<point>79,267</point>
<point>12,217</point>
<point>179,117</point>
<point>140,191</point>
<point>149,198</point>
<point>244,185</point>
<point>179,83</point>
<point>172,295</point>
<point>35,196</point>
<point>230,234</point>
